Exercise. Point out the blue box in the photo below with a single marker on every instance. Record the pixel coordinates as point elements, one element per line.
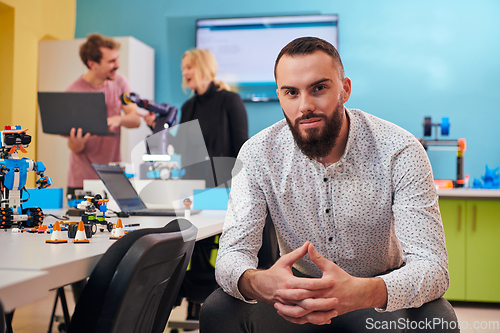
<point>45,198</point>
<point>211,198</point>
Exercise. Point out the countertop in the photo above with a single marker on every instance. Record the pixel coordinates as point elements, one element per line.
<point>469,193</point>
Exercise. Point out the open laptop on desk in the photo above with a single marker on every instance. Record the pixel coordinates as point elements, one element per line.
<point>125,194</point>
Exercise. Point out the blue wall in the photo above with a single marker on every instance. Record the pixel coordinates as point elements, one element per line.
<point>407,59</point>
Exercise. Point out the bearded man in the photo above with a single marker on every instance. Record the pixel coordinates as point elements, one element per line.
<point>355,209</point>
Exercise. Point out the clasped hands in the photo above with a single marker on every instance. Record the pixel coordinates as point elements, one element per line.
<point>311,300</point>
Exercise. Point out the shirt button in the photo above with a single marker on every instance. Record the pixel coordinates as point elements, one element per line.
<point>325,179</point>
<point>330,238</point>
<point>327,210</point>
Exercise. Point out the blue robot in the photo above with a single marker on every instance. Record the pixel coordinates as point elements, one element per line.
<point>13,173</point>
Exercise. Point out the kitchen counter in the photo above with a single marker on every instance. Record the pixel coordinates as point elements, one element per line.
<point>469,193</point>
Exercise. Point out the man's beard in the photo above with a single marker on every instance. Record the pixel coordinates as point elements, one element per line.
<point>318,142</point>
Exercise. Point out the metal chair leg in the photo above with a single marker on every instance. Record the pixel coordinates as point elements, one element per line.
<point>60,295</point>
<point>8,321</point>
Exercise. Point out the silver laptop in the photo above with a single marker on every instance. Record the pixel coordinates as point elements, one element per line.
<point>125,194</point>
<point>61,111</point>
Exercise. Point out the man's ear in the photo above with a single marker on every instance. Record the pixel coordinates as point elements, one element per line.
<point>91,64</point>
<point>346,86</point>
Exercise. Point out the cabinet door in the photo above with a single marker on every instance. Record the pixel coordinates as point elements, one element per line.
<point>483,251</point>
<point>453,215</point>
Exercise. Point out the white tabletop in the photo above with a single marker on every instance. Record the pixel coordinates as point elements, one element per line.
<point>62,264</point>
<point>15,283</point>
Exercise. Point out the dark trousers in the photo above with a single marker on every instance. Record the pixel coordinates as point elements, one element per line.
<point>224,313</point>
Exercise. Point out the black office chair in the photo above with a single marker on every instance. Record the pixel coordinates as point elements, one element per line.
<point>269,252</point>
<point>134,284</point>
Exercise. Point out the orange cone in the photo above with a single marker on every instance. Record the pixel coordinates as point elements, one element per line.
<point>118,231</point>
<point>56,235</point>
<point>80,236</point>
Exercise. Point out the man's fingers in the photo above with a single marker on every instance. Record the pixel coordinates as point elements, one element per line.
<point>299,321</point>
<point>321,318</point>
<point>318,259</point>
<point>291,310</point>
<point>304,307</point>
<point>290,258</point>
<point>319,304</point>
<point>317,288</point>
<point>316,318</point>
<point>298,315</point>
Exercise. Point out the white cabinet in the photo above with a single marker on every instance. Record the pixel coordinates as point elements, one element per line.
<point>60,65</point>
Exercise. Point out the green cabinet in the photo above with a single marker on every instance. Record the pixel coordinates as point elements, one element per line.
<point>453,215</point>
<point>472,230</point>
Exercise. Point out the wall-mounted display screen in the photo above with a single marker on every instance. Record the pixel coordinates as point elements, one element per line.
<point>246,48</point>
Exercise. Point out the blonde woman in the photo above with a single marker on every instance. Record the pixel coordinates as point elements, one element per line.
<point>223,121</point>
<point>220,112</point>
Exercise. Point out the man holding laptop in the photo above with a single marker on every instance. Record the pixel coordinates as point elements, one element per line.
<point>101,56</point>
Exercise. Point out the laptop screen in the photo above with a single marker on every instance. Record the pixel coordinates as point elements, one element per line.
<point>119,187</point>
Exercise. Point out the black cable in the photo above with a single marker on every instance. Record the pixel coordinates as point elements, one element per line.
<point>64,217</point>
<point>29,196</point>
<point>119,214</point>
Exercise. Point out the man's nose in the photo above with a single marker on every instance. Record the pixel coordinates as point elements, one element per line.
<point>306,103</point>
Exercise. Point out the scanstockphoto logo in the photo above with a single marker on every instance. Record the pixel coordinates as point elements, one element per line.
<point>429,324</point>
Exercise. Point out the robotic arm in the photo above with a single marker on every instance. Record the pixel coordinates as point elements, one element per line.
<point>165,112</point>
<point>43,181</point>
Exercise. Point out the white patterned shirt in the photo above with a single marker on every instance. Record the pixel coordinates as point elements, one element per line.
<point>374,212</point>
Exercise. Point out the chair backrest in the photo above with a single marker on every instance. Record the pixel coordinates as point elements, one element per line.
<point>134,284</point>
<point>269,251</point>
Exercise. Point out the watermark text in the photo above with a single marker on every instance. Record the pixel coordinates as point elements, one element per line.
<point>429,324</point>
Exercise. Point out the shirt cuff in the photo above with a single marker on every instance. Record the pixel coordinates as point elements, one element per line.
<point>231,285</point>
<point>394,295</point>
<point>237,290</point>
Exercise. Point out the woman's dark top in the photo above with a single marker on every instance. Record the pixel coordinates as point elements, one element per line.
<point>223,120</point>
<point>224,125</point>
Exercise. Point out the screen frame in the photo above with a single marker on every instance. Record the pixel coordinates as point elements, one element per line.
<point>271,98</point>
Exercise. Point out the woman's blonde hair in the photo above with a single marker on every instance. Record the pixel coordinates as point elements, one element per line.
<point>205,67</point>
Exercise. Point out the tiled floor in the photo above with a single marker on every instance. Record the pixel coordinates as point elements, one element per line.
<point>34,318</point>
<point>478,317</point>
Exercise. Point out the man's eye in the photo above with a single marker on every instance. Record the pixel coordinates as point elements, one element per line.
<point>319,88</point>
<point>291,92</point>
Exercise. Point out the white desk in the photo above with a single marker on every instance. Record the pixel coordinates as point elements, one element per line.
<point>14,285</point>
<point>49,266</point>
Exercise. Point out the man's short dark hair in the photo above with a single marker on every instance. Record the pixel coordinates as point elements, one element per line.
<point>90,50</point>
<point>309,45</point>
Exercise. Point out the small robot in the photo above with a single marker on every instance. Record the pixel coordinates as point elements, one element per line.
<point>13,173</point>
<point>91,206</point>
